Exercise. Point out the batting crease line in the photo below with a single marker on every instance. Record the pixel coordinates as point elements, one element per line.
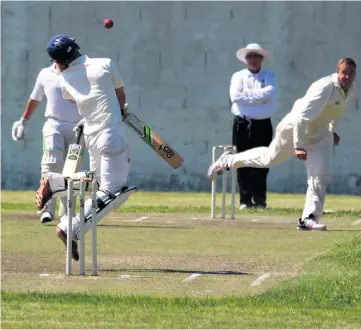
<point>139,219</point>
<point>191,277</point>
<point>261,279</point>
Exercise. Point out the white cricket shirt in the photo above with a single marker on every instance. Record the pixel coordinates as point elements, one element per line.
<point>48,84</point>
<point>253,94</point>
<point>318,112</point>
<point>91,83</point>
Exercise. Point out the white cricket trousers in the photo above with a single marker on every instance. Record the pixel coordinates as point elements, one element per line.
<point>110,163</point>
<point>281,149</point>
<point>109,158</point>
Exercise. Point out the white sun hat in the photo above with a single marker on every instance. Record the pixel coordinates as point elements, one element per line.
<point>252,48</point>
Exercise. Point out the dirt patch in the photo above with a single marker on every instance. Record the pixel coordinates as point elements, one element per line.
<point>21,216</point>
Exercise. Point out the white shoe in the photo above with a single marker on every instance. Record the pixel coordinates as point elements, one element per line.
<point>219,166</point>
<point>310,224</point>
<point>244,207</point>
<point>46,217</point>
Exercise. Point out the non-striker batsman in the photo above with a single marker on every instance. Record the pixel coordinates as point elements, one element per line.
<point>61,119</point>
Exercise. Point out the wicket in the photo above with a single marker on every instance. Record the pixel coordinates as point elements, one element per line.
<point>71,214</point>
<point>224,185</point>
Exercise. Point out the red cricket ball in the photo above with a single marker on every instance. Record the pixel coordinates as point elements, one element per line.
<point>108,23</point>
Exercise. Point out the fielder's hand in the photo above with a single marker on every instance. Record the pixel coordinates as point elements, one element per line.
<point>301,154</point>
<point>124,111</point>
<point>80,123</point>
<point>18,129</point>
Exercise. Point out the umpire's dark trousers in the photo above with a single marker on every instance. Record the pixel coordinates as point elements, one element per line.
<point>252,182</point>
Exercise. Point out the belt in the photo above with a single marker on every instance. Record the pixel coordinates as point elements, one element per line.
<point>243,120</point>
<point>52,117</point>
<point>65,121</point>
<point>246,122</point>
<point>251,119</point>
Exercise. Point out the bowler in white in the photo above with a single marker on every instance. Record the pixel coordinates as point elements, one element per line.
<point>306,132</point>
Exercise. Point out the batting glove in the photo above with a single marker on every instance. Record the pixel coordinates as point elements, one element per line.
<point>80,123</point>
<point>124,111</point>
<point>18,129</point>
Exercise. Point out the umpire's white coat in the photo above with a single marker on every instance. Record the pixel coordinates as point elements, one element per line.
<point>309,126</point>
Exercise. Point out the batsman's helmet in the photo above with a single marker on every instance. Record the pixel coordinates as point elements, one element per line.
<point>62,48</point>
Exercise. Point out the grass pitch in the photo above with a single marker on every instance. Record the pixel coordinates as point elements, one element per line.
<point>163,263</point>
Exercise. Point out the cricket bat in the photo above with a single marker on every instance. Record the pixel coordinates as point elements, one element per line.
<point>150,137</point>
<point>73,156</point>
<point>74,153</point>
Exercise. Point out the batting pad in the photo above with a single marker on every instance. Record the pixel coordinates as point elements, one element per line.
<point>105,207</point>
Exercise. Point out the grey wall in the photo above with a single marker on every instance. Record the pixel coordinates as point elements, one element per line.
<point>177,59</point>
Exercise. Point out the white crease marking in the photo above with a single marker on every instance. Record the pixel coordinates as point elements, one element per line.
<point>191,277</point>
<point>261,279</point>
<point>357,222</point>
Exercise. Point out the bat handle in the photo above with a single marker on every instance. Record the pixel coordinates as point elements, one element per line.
<point>124,111</point>
<point>79,125</point>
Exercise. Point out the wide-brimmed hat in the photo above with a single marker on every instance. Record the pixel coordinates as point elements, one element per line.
<point>252,48</point>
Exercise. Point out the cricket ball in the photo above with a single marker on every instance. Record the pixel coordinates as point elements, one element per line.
<point>108,23</point>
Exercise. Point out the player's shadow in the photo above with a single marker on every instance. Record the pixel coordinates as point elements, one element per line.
<point>145,227</point>
<point>358,230</point>
<point>176,271</point>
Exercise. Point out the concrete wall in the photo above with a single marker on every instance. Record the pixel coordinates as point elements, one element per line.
<point>177,59</point>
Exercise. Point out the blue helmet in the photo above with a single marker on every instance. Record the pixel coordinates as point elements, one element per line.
<point>62,48</point>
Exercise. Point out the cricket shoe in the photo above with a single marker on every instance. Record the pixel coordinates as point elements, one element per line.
<point>43,194</point>
<point>244,206</point>
<point>46,217</point>
<point>219,166</point>
<point>309,224</point>
<point>63,237</point>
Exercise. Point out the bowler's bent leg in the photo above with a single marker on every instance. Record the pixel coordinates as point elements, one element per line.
<point>280,149</point>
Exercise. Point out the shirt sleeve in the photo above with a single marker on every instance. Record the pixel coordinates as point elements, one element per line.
<point>312,105</point>
<point>38,92</point>
<point>117,79</point>
<point>334,122</point>
<point>252,96</point>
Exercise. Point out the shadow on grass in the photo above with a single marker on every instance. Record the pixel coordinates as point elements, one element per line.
<point>179,271</point>
<point>356,230</point>
<point>145,227</point>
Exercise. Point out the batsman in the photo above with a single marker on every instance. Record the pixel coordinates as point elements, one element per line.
<point>58,130</point>
<point>95,85</point>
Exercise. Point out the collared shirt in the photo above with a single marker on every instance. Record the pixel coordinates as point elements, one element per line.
<point>91,82</point>
<point>318,112</point>
<point>48,84</point>
<point>253,94</point>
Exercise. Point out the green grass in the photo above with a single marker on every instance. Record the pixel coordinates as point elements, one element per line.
<point>162,202</point>
<point>330,298</point>
<point>315,277</point>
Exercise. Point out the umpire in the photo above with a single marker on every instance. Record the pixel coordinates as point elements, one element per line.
<point>252,94</point>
